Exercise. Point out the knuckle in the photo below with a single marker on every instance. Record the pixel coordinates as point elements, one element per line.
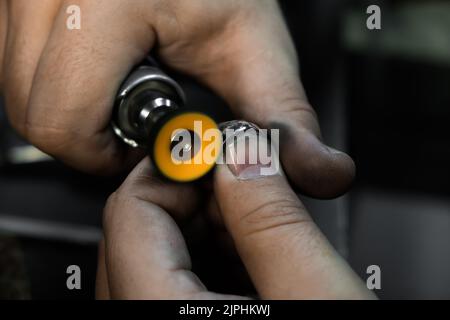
<point>273,215</point>
<point>48,139</point>
<point>124,209</point>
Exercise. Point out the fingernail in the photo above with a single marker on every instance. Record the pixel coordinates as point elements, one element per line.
<point>249,152</point>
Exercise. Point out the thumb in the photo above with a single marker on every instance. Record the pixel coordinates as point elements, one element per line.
<point>263,86</point>
<point>283,250</point>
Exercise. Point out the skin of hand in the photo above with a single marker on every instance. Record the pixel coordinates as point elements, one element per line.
<point>144,254</point>
<point>59,84</point>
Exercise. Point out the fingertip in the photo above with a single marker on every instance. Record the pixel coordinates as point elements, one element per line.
<point>315,169</point>
<point>347,170</point>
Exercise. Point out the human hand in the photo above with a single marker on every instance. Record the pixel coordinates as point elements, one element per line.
<point>144,254</point>
<point>60,84</point>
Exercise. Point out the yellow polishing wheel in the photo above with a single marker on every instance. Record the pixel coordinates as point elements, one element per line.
<point>185,145</point>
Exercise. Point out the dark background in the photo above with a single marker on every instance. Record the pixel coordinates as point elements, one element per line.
<point>383,96</point>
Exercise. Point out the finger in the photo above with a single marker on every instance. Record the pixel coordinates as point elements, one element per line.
<point>28,30</point>
<point>284,252</point>
<point>146,255</point>
<point>76,81</point>
<point>262,85</point>
<point>3,33</point>
<point>268,92</point>
<point>101,283</point>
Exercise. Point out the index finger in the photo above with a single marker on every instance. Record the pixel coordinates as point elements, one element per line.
<point>145,253</point>
<point>263,86</point>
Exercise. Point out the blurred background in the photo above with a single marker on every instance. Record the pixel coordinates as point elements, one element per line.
<point>382,95</point>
